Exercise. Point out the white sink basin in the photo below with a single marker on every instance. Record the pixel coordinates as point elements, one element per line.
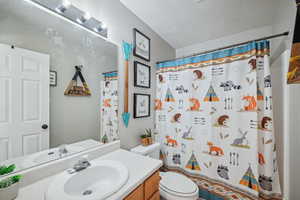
<point>97,182</point>
<point>49,155</point>
<point>53,154</point>
<point>46,156</point>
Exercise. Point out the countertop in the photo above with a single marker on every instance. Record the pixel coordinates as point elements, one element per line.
<point>140,168</point>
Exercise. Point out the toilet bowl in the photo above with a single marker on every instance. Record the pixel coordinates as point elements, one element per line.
<point>174,186</point>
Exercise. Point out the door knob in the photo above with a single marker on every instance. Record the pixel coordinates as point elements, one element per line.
<point>44,126</point>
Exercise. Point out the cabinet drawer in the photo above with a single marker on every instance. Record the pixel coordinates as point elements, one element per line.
<point>156,196</point>
<point>137,194</point>
<point>152,185</point>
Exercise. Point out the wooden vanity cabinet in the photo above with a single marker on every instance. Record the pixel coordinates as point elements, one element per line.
<point>149,190</point>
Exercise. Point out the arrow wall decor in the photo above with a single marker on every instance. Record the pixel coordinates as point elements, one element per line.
<point>127,51</point>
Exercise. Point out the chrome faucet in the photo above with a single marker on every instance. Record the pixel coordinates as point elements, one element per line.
<point>82,164</point>
<point>62,150</point>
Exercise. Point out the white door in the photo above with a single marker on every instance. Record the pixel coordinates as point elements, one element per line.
<point>24,102</point>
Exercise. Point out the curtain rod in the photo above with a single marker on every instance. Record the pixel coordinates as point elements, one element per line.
<point>230,46</point>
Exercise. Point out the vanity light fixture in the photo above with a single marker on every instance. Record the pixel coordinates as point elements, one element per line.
<point>65,10</point>
<point>63,7</point>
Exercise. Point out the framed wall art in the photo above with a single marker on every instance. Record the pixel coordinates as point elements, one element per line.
<point>141,105</point>
<point>142,45</point>
<point>142,75</point>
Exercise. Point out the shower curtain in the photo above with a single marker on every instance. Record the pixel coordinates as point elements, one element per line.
<point>214,118</point>
<point>109,107</point>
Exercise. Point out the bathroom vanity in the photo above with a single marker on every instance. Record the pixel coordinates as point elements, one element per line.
<point>142,183</point>
<point>148,190</point>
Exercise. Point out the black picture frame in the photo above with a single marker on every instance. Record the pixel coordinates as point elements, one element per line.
<point>136,75</point>
<point>135,108</point>
<point>135,48</point>
<point>53,78</point>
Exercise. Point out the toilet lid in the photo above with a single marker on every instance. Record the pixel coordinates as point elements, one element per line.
<point>177,183</point>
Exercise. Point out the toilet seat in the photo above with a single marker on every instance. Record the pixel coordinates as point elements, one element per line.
<point>177,184</point>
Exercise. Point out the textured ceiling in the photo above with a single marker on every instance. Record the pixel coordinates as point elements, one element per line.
<point>185,22</point>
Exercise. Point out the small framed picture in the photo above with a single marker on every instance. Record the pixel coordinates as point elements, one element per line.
<point>142,75</point>
<point>141,105</point>
<point>141,45</point>
<point>53,78</point>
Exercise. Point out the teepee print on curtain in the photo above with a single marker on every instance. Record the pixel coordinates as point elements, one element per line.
<point>211,95</point>
<point>249,180</point>
<point>193,163</point>
<point>260,96</point>
<point>169,96</point>
<point>219,107</point>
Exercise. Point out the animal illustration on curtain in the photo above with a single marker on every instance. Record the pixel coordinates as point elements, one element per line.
<point>214,150</point>
<point>250,103</point>
<point>242,141</point>
<point>223,172</point>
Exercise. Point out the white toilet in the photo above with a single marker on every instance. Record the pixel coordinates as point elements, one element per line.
<point>173,186</point>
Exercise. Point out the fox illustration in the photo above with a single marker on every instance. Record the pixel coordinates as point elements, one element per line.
<point>212,148</point>
<point>158,104</point>
<point>171,142</point>
<point>195,104</point>
<point>106,102</point>
<point>251,103</point>
<point>261,159</point>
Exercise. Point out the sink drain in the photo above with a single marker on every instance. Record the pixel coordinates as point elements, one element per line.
<point>87,192</point>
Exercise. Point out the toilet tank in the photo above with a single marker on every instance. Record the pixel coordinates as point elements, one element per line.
<point>151,150</point>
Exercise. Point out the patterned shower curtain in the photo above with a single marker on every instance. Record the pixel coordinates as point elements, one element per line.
<point>109,107</point>
<point>214,118</point>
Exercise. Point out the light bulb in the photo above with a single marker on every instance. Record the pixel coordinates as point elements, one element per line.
<point>84,18</point>
<point>66,3</point>
<point>97,29</point>
<point>103,26</point>
<point>63,7</point>
<point>87,16</point>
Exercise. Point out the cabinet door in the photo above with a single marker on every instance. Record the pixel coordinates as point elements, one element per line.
<point>152,185</point>
<point>137,194</point>
<point>156,196</point>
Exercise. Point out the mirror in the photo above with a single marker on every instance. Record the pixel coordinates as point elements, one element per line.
<point>58,87</point>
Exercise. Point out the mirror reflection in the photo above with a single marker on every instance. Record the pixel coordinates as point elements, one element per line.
<point>58,87</point>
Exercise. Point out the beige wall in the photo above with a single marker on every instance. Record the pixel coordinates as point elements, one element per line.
<point>120,22</point>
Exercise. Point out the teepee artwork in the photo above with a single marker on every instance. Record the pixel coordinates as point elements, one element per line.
<point>193,163</point>
<point>211,96</point>
<point>169,96</point>
<point>260,96</point>
<point>74,89</point>
<point>249,180</point>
